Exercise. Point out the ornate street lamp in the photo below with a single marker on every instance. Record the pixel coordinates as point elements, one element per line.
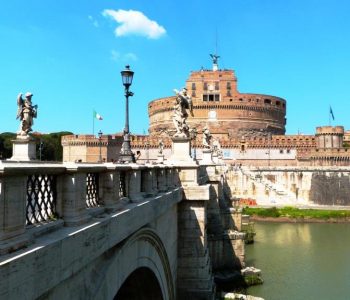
<point>147,152</point>
<point>193,136</point>
<point>100,145</point>
<point>126,155</point>
<point>41,146</point>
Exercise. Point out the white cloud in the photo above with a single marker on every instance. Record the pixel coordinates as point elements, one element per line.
<point>94,22</point>
<point>130,56</point>
<point>127,57</point>
<point>115,55</point>
<point>134,22</point>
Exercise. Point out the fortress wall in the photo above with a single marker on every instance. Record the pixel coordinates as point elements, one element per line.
<point>330,188</point>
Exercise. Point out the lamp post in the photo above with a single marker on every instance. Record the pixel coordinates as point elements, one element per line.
<point>126,155</point>
<point>100,144</point>
<point>147,152</point>
<point>41,146</point>
<point>193,135</point>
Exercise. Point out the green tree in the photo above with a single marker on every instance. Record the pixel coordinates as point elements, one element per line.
<point>6,144</point>
<point>51,149</point>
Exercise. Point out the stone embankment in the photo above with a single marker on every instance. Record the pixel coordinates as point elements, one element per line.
<point>293,186</point>
<point>236,296</point>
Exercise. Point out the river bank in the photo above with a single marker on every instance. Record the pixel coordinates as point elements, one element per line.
<point>298,220</point>
<point>297,215</point>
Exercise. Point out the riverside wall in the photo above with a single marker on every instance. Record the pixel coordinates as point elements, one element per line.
<point>310,186</point>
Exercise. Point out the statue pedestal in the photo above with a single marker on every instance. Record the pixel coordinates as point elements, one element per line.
<point>215,157</point>
<point>23,149</point>
<point>181,150</point>
<point>206,157</point>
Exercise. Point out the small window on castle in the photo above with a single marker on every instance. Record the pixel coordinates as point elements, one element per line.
<point>267,101</point>
<point>240,99</point>
<point>217,97</point>
<point>278,103</point>
<point>281,151</point>
<point>283,105</point>
<point>288,151</point>
<point>205,97</point>
<point>216,86</point>
<point>211,97</point>
<point>193,93</point>
<point>228,85</point>
<point>257,100</point>
<point>205,86</point>
<point>230,100</point>
<point>242,148</point>
<point>193,86</point>
<point>228,94</point>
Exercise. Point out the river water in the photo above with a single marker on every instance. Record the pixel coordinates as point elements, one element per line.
<point>301,261</point>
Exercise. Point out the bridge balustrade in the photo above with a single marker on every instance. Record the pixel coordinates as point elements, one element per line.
<point>92,190</point>
<point>41,198</point>
<point>36,196</point>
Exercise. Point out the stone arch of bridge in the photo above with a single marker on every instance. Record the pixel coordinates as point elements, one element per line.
<point>142,284</point>
<point>142,253</point>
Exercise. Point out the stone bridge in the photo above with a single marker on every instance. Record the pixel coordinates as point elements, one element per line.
<point>110,231</point>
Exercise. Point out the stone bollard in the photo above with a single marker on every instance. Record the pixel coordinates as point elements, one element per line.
<point>155,171</point>
<point>135,194</point>
<point>74,197</point>
<point>12,213</point>
<point>110,186</point>
<point>170,178</point>
<point>147,182</point>
<point>162,182</point>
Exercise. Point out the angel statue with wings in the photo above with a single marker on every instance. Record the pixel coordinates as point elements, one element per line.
<point>183,103</point>
<point>26,113</point>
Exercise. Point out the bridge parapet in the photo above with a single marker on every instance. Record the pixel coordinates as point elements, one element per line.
<point>36,197</point>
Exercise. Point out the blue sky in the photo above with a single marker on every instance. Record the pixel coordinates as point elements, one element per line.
<point>69,54</point>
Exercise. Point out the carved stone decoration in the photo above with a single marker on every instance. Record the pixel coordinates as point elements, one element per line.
<point>183,103</point>
<point>206,137</point>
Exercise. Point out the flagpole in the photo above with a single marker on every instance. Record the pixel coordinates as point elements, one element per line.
<point>93,122</point>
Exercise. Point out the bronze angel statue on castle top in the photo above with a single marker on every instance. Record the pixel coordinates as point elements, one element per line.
<point>26,112</point>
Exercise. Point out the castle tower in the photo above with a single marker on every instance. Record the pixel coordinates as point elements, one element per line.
<point>329,137</point>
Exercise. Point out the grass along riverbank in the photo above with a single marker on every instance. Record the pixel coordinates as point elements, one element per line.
<point>285,214</point>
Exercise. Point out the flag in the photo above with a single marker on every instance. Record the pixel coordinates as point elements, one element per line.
<point>331,112</point>
<point>97,116</point>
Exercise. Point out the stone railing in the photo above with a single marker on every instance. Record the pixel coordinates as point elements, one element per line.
<point>37,197</point>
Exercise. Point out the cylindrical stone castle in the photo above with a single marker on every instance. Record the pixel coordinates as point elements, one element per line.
<point>218,105</point>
